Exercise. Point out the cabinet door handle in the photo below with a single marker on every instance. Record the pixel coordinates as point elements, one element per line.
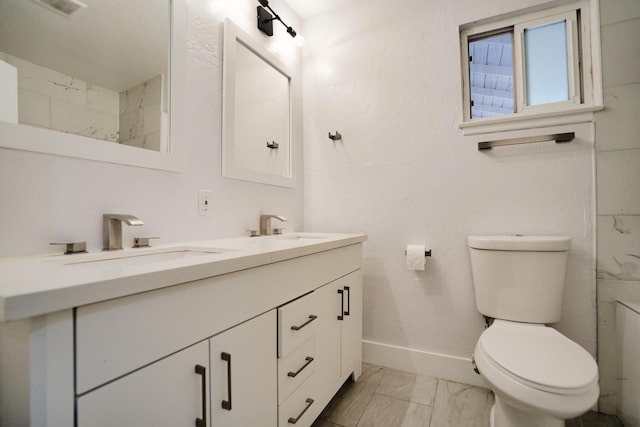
<point>340,316</point>
<point>226,404</point>
<point>201,370</point>
<point>295,420</point>
<point>348,289</point>
<point>308,359</point>
<point>312,317</point>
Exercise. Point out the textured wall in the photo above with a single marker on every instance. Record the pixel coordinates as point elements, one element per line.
<point>386,74</point>
<point>618,182</point>
<point>48,198</point>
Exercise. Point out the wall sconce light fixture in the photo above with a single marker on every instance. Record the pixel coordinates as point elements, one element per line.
<point>265,19</point>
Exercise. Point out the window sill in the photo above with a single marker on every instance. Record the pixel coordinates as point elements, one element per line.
<point>521,121</point>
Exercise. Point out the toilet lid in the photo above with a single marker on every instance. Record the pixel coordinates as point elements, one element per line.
<point>539,355</point>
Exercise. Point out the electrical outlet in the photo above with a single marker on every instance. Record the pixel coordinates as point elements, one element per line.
<point>204,202</point>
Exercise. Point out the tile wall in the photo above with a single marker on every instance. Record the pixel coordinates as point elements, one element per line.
<point>617,181</point>
<point>52,100</point>
<point>141,115</point>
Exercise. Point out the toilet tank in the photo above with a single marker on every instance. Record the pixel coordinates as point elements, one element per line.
<point>519,278</point>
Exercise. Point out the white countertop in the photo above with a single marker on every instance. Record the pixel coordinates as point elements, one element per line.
<point>36,285</point>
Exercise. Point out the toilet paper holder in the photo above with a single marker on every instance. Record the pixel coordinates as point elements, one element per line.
<point>426,253</point>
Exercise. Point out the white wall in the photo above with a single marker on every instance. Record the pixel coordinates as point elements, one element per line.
<point>618,183</point>
<point>47,198</point>
<point>386,75</point>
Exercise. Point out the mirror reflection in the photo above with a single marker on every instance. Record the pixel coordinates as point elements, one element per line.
<point>93,68</point>
<point>262,114</point>
<point>257,112</point>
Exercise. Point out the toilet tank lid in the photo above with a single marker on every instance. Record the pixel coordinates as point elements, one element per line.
<point>519,242</point>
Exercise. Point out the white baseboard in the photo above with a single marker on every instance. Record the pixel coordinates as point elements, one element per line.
<point>450,368</point>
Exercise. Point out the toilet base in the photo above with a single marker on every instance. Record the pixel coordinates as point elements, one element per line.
<point>504,415</point>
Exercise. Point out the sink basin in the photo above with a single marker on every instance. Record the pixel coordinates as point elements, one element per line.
<point>109,260</point>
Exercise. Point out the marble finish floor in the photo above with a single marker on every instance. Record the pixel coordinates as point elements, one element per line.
<point>385,397</point>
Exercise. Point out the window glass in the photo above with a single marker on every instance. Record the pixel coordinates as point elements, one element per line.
<point>545,51</point>
<point>491,75</point>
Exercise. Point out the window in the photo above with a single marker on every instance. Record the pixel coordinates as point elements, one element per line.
<point>534,65</point>
<point>491,75</point>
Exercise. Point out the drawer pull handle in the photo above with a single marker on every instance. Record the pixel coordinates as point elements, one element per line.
<point>295,420</point>
<point>309,359</point>
<point>341,315</point>
<point>312,317</point>
<point>348,290</point>
<point>226,404</point>
<point>201,370</point>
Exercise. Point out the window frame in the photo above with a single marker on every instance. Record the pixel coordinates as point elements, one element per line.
<point>584,67</point>
<point>573,63</point>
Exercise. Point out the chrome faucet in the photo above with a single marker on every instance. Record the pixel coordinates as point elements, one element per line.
<point>265,223</point>
<point>112,229</point>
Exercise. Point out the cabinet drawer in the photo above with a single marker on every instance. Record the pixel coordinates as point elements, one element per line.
<point>302,407</point>
<point>296,323</point>
<point>296,367</point>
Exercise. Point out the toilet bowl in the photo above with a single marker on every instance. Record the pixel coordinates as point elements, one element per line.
<point>539,376</point>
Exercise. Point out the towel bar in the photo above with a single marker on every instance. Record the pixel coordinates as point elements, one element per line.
<point>557,137</point>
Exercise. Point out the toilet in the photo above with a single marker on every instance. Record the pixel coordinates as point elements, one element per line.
<point>539,376</point>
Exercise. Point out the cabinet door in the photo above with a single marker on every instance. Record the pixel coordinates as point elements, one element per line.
<point>328,335</point>
<point>244,389</point>
<point>339,335</point>
<point>170,392</point>
<point>352,325</point>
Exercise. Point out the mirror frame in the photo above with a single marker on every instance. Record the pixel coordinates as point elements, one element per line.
<point>46,141</point>
<point>230,168</point>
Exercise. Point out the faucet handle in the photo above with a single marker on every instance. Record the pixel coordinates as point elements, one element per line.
<point>142,242</point>
<point>278,230</point>
<point>73,247</point>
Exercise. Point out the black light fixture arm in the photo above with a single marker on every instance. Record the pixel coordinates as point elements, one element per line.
<point>265,20</point>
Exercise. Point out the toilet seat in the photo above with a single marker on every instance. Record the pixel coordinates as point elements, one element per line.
<point>539,357</point>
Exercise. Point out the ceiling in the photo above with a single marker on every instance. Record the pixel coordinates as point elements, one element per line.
<point>310,8</point>
<point>116,44</point>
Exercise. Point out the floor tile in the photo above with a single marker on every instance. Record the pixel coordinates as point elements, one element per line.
<point>320,422</point>
<point>352,399</point>
<point>384,411</point>
<point>461,405</point>
<point>406,386</point>
<point>594,419</point>
<point>382,398</point>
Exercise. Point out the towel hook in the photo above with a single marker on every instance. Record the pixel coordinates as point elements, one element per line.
<point>335,137</point>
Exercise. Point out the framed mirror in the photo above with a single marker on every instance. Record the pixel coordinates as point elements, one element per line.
<point>93,78</point>
<point>256,144</point>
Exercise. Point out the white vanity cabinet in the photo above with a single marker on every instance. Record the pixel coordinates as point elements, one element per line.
<point>256,346</point>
